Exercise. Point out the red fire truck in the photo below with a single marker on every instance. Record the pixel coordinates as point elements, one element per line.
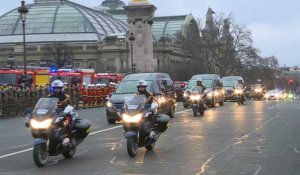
<point>106,78</point>
<point>73,76</point>
<point>15,77</point>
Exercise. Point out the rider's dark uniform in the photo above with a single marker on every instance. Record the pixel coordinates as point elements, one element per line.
<point>148,95</point>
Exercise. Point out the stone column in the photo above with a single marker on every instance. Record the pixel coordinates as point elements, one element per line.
<point>140,19</point>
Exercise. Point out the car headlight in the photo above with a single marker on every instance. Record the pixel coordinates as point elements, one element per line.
<point>267,95</point>
<point>109,104</point>
<point>40,125</point>
<point>132,119</point>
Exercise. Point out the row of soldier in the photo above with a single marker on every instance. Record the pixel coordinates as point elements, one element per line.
<point>96,95</point>
<point>14,101</point>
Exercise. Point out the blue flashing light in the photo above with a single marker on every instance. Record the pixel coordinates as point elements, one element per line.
<point>53,69</point>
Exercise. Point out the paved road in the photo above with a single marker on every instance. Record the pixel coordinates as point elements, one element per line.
<point>260,138</point>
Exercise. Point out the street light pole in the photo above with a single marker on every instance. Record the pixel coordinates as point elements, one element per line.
<point>131,39</point>
<point>23,11</point>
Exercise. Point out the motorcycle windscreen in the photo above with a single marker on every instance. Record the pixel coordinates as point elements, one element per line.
<point>135,104</point>
<point>45,107</point>
<point>197,90</point>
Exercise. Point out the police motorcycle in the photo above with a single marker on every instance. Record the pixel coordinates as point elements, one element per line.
<point>49,128</point>
<point>239,95</point>
<point>142,124</point>
<point>196,98</point>
<point>258,92</point>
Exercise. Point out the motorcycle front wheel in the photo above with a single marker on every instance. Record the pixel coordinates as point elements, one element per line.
<point>132,146</point>
<point>40,155</point>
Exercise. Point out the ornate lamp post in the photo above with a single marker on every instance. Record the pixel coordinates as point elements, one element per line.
<point>11,60</point>
<point>131,39</point>
<point>134,68</point>
<point>23,11</point>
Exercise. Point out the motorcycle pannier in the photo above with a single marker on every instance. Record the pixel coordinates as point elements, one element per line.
<point>162,122</point>
<point>83,126</point>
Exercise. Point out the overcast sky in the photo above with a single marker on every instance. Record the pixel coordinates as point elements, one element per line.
<point>275,24</point>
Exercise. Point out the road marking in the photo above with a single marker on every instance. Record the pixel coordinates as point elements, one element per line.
<point>15,153</point>
<point>205,165</point>
<point>258,170</point>
<point>92,133</point>
<point>104,130</point>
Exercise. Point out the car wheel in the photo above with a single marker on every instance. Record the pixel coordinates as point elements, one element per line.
<point>111,121</point>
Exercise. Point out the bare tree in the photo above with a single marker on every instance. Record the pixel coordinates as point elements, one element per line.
<point>58,54</point>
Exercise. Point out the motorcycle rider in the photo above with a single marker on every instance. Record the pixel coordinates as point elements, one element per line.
<point>142,90</point>
<point>241,85</point>
<point>199,84</point>
<point>64,101</point>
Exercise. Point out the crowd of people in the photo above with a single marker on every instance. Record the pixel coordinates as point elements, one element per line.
<point>15,100</point>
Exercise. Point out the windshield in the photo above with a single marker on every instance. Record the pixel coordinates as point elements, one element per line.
<point>206,83</point>
<point>7,78</point>
<point>257,86</point>
<point>105,81</point>
<point>135,104</point>
<point>197,89</point>
<point>129,87</point>
<point>45,106</point>
<point>229,83</point>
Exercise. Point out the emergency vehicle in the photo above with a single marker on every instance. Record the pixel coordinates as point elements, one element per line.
<point>107,78</point>
<point>73,76</point>
<point>15,77</point>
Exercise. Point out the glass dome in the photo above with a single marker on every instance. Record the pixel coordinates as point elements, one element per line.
<point>60,18</point>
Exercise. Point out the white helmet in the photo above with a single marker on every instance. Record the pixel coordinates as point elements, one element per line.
<point>84,84</point>
<point>199,79</point>
<point>259,80</point>
<point>142,83</point>
<point>57,84</point>
<point>89,85</point>
<point>93,85</point>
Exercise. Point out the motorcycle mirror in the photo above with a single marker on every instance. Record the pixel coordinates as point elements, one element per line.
<point>59,110</point>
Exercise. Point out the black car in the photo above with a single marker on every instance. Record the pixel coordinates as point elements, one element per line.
<point>229,82</point>
<point>159,84</point>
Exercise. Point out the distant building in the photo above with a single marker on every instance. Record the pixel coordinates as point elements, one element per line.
<point>96,37</point>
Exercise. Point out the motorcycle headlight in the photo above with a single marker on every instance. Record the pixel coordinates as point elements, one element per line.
<point>161,100</point>
<point>210,94</point>
<point>195,97</point>
<point>40,125</point>
<point>185,94</point>
<point>258,90</point>
<point>132,119</point>
<point>238,91</point>
<point>109,104</point>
